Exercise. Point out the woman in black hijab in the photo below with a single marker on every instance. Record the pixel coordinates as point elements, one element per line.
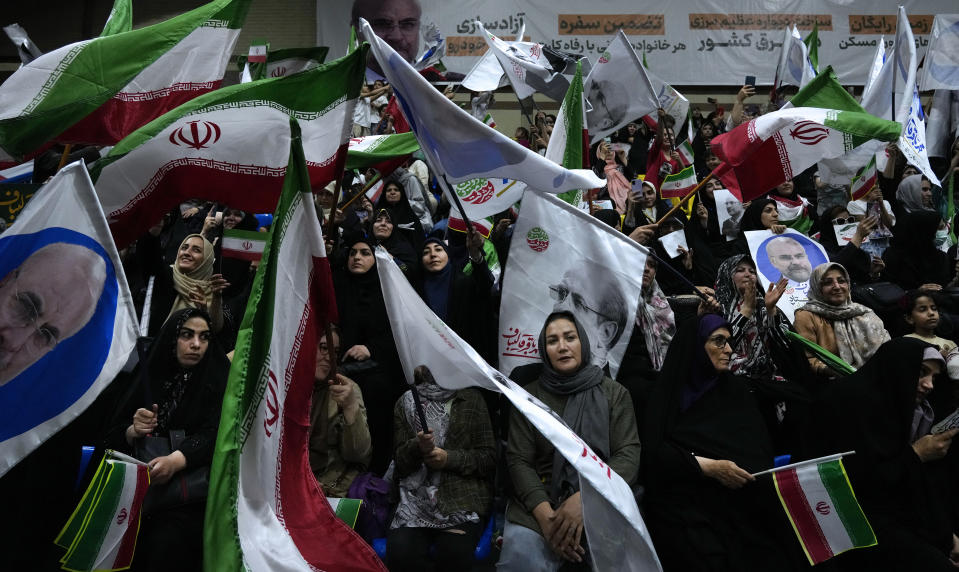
<point>904,478</point>
<point>394,198</point>
<point>703,437</point>
<point>544,519</point>
<point>186,377</point>
<point>912,259</point>
<point>397,241</point>
<point>370,358</point>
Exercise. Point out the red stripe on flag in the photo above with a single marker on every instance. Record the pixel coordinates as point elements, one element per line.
<point>242,254</point>
<point>118,117</point>
<point>129,541</point>
<point>804,520</point>
<point>324,541</point>
<point>759,174</point>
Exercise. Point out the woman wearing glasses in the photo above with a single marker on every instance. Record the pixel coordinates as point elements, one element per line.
<point>703,437</point>
<point>544,527</point>
<point>863,266</point>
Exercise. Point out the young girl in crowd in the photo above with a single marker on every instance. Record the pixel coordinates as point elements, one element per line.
<point>921,312</point>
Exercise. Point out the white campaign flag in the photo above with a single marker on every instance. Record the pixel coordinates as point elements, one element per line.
<point>941,67</point>
<point>943,126</point>
<point>615,530</point>
<point>675,103</point>
<point>878,59</point>
<point>561,258</point>
<point>794,66</point>
<point>618,90</point>
<point>487,73</point>
<point>526,67</point>
<point>459,146</point>
<point>62,278</point>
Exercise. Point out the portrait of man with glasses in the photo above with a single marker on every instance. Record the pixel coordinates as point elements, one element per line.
<point>45,300</point>
<point>599,306</point>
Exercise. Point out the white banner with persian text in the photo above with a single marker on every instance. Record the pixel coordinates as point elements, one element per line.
<point>696,42</point>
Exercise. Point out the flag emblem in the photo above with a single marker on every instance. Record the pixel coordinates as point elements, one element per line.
<point>808,132</point>
<point>475,191</point>
<point>190,136</point>
<point>122,516</point>
<point>537,239</point>
<point>822,508</point>
<point>272,405</point>
<point>605,57</point>
<point>279,71</point>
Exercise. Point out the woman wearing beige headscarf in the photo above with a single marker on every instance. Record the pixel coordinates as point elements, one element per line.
<point>189,283</point>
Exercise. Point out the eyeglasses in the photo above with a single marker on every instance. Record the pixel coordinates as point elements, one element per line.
<point>22,310</point>
<point>560,293</point>
<point>719,342</point>
<point>385,26</point>
<point>843,220</point>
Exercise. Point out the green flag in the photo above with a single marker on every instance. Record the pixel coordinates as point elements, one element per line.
<point>120,18</point>
<point>569,143</point>
<point>812,46</point>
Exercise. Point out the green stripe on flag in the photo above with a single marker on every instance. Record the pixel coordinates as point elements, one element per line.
<point>83,554</point>
<point>837,484</point>
<point>387,147</point>
<point>834,362</point>
<point>862,127</point>
<point>120,19</point>
<point>248,377</point>
<point>572,110</point>
<point>246,234</point>
<point>347,510</point>
<point>74,525</point>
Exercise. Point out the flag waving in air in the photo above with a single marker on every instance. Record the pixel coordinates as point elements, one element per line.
<point>459,146</point>
<point>229,146</point>
<point>98,91</point>
<point>266,510</point>
<point>279,63</point>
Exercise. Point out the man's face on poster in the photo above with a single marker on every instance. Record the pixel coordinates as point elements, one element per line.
<point>397,22</point>
<point>44,301</point>
<point>790,258</point>
<point>596,312</point>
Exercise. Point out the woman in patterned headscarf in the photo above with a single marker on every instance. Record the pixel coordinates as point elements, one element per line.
<point>188,283</point>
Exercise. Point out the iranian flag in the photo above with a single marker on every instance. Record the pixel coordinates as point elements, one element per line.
<point>98,91</point>
<point>279,63</point>
<point>865,181</point>
<point>793,213</point>
<point>488,120</point>
<point>266,510</point>
<point>678,185</point>
<point>230,146</point>
<point>243,244</point>
<point>775,147</point>
<point>685,150</point>
<point>569,143</point>
<point>101,534</point>
<point>382,152</point>
<point>483,225</point>
<point>822,508</point>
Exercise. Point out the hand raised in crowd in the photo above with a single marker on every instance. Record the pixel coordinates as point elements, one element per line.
<point>778,228</point>
<point>748,307</point>
<point>435,459</point>
<point>710,305</point>
<point>687,256</point>
<point>343,392</point>
<point>931,286</point>
<point>210,223</point>
<point>338,217</point>
<point>358,353</point>
<point>474,243</point>
<point>728,473</point>
<point>934,447</point>
<point>744,92</point>
<point>163,468</point>
<point>567,530</point>
<point>425,442</point>
<point>876,266</point>
<point>190,212</point>
<point>198,297</point>
<point>218,284</point>
<point>643,234</point>
<point>864,229</point>
<point>775,293</point>
<point>703,214</point>
<point>500,228</point>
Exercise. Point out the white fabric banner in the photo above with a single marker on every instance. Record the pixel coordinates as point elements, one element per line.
<point>791,254</point>
<point>696,42</point>
<point>69,323</point>
<point>561,258</point>
<point>941,68</point>
<point>615,530</point>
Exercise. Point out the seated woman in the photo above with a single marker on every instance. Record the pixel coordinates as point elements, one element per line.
<point>444,473</point>
<point>544,519</point>
<point>863,267</point>
<point>902,475</point>
<point>370,350</point>
<point>462,301</point>
<point>186,374</point>
<point>187,283</point>
<point>912,259</point>
<point>833,321</point>
<point>340,447</point>
<point>643,208</point>
<point>703,437</point>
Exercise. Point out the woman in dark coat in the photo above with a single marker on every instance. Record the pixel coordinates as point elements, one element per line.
<point>903,476</point>
<point>912,259</point>
<point>185,380</point>
<point>401,212</point>
<point>370,356</point>
<point>397,241</point>
<point>703,437</point>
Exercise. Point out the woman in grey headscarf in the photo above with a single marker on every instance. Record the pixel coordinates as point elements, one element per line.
<point>545,517</point>
<point>913,196</point>
<point>832,320</point>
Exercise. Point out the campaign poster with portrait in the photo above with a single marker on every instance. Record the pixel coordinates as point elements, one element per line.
<point>790,254</point>
<point>561,258</point>
<point>67,323</point>
<point>729,211</point>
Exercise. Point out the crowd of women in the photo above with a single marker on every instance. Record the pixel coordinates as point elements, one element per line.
<point>708,392</point>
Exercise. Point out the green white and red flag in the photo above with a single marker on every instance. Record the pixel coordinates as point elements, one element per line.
<point>230,146</point>
<point>101,534</point>
<point>483,225</point>
<point>488,120</point>
<point>686,155</point>
<point>773,148</point>
<point>243,244</point>
<point>865,181</point>
<point>382,152</point>
<point>279,63</point>
<point>265,510</point>
<point>793,213</point>
<point>120,18</point>
<point>823,509</point>
<point>569,143</point>
<point>100,90</point>
<point>678,185</point>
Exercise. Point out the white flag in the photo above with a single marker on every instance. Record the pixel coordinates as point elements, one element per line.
<point>943,126</point>
<point>70,322</point>
<point>618,90</point>
<point>487,74</point>
<point>941,68</point>
<point>615,530</point>
<point>561,258</point>
<point>794,66</point>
